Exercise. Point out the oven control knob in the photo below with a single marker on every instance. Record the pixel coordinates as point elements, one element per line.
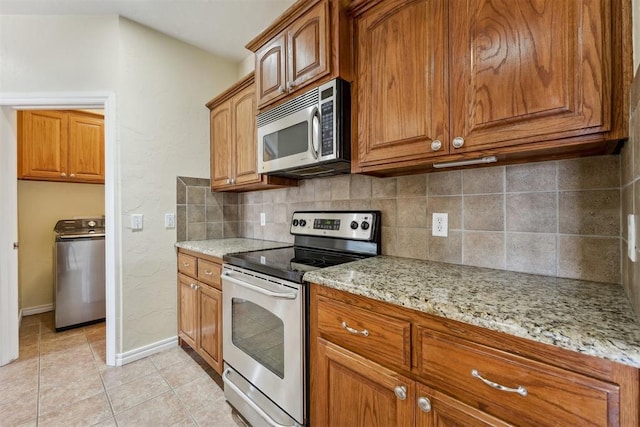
<point>303,223</point>
<point>364,225</point>
<point>295,222</point>
<point>354,225</point>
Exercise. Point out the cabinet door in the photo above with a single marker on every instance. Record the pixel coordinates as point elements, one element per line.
<point>210,320</point>
<point>42,151</point>
<point>244,136</point>
<point>188,310</point>
<point>527,70</point>
<point>401,69</point>
<point>435,409</point>
<point>271,64</point>
<point>221,146</point>
<point>349,390</point>
<point>86,148</point>
<point>307,47</point>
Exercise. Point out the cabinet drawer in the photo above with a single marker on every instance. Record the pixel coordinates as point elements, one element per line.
<point>374,335</point>
<point>209,272</point>
<point>548,395</point>
<point>187,264</point>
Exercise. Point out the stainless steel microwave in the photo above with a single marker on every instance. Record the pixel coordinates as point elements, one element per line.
<point>308,136</point>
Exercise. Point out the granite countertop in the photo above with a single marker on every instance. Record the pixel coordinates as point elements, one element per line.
<point>587,317</point>
<point>221,247</point>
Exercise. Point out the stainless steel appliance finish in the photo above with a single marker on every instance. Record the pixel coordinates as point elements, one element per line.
<point>265,312</point>
<point>309,135</point>
<point>79,272</point>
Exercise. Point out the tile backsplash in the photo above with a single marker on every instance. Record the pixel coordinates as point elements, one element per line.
<point>558,218</point>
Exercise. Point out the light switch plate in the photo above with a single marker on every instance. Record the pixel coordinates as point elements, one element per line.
<point>169,220</point>
<point>263,219</point>
<point>137,221</point>
<point>631,237</point>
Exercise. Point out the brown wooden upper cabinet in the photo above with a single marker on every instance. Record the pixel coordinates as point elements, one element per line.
<point>66,146</point>
<point>309,43</point>
<point>233,141</point>
<point>452,80</point>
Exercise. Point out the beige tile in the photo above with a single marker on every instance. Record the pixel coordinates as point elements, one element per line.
<point>30,320</point>
<point>195,195</point>
<point>445,183</point>
<point>99,351</point>
<point>215,213</point>
<point>78,354</point>
<point>412,185</point>
<point>29,330</point>
<point>446,249</point>
<point>251,198</point>
<point>389,238</point>
<point>360,186</point>
<point>214,230</point>
<point>360,204</point>
<point>340,187</point>
<point>50,336</point>
<point>137,391</point>
<point>196,231</point>
<point>205,402</point>
<point>56,374</point>
<point>182,372</point>
<point>594,212</point>
<point>412,212</point>
<point>17,370</point>
<point>388,210</point>
<point>634,139</point>
<point>29,340</point>
<point>165,409</point>
<point>483,249</point>
<point>18,380</point>
<point>451,205</point>
<point>532,212</point>
<point>589,258</point>
<point>383,188</point>
<point>322,189</point>
<point>626,207</point>
<point>87,412</point>
<point>588,173</point>
<point>626,161</point>
<point>484,213</point>
<point>195,213</point>
<point>411,243</point>
<point>54,397</point>
<point>483,180</point>
<point>531,177</point>
<point>532,253</point>
<point>114,376</point>
<point>109,422</point>
<point>340,205</point>
<point>30,351</point>
<point>19,411</point>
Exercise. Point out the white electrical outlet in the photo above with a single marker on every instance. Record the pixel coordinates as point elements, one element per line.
<point>439,224</point>
<point>169,220</point>
<point>263,219</point>
<point>631,237</point>
<point>137,221</point>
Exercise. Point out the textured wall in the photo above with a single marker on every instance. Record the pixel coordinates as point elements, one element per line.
<point>40,205</point>
<point>163,86</point>
<point>559,218</point>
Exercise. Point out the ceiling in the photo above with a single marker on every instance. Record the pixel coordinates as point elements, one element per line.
<point>221,27</point>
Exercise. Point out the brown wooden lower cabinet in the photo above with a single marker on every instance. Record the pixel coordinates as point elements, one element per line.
<point>200,306</point>
<point>454,375</point>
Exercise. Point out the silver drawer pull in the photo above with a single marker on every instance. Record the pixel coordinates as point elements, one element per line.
<point>424,404</point>
<point>208,272</point>
<point>520,390</point>
<point>355,331</point>
<point>401,392</point>
<point>185,264</point>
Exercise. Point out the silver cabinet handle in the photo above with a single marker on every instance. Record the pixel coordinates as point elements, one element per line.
<point>73,175</point>
<point>185,264</point>
<point>193,286</point>
<point>256,288</point>
<point>228,180</point>
<point>520,390</point>
<point>436,144</point>
<point>354,331</point>
<point>457,142</point>
<point>208,272</point>
<point>64,175</point>
<point>281,90</point>
<point>401,392</point>
<point>424,404</point>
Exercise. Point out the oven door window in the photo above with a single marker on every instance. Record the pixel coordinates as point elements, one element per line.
<point>259,333</point>
<point>286,142</point>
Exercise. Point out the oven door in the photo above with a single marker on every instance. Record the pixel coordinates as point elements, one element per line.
<point>264,340</point>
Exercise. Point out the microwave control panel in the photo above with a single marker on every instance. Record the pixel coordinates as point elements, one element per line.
<point>327,127</point>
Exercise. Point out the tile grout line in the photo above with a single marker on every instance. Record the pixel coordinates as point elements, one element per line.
<point>104,386</point>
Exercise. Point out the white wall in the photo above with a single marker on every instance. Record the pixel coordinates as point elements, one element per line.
<point>248,65</point>
<point>163,86</point>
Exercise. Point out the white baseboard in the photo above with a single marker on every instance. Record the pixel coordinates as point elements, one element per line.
<point>147,350</point>
<point>36,310</point>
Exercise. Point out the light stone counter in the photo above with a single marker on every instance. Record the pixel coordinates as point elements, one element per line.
<point>587,317</point>
<point>221,247</point>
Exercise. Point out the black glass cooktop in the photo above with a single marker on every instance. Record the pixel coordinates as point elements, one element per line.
<point>289,263</point>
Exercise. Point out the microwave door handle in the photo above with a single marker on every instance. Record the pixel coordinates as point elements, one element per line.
<point>259,289</point>
<point>315,132</point>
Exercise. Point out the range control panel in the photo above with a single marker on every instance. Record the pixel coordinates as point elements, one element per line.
<point>355,225</point>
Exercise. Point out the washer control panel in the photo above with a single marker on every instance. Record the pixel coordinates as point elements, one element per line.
<point>357,225</point>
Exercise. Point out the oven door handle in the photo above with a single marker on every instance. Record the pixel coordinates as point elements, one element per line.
<point>227,381</point>
<point>286,295</point>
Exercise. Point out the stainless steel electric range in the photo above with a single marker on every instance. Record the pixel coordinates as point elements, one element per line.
<point>266,310</point>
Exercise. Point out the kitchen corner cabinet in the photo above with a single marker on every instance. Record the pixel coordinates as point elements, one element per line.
<point>200,306</point>
<point>377,364</point>
<point>234,141</point>
<point>65,146</point>
<point>308,43</point>
<point>451,80</point>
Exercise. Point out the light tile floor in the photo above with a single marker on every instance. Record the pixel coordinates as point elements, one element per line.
<point>62,379</point>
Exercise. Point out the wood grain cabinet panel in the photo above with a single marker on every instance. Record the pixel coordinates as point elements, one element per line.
<point>462,79</point>
<point>65,146</point>
<point>188,308</point>
<point>234,160</point>
<point>209,344</point>
<point>271,65</point>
